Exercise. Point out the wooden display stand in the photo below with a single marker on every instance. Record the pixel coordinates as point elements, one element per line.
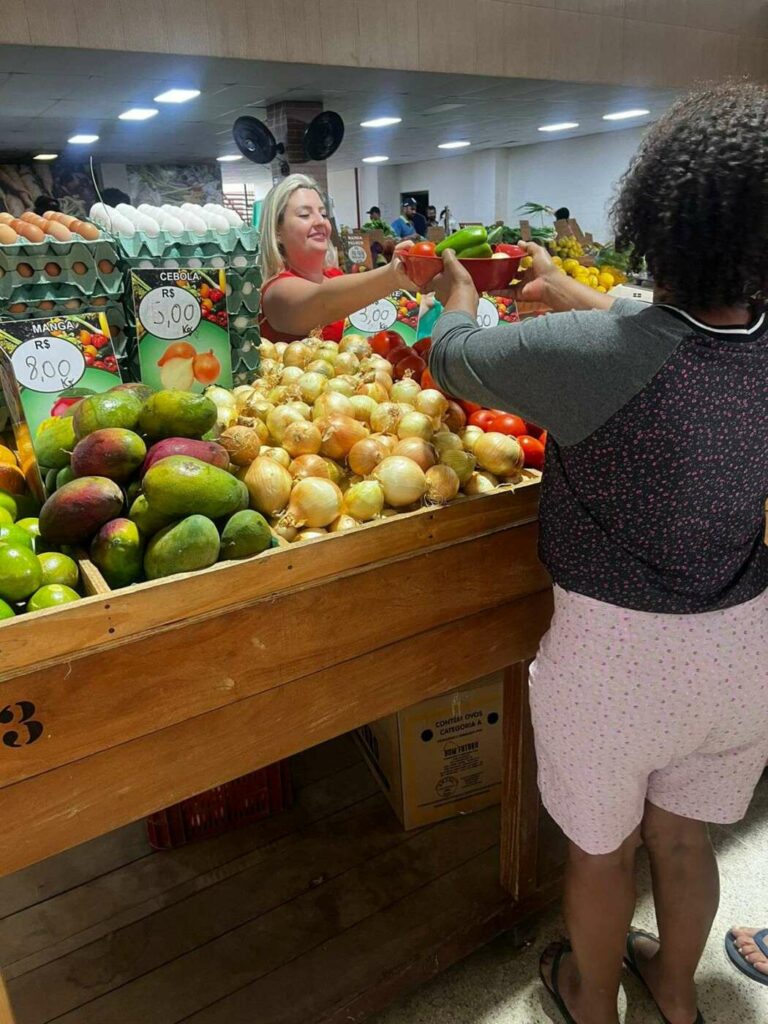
<point>154,693</point>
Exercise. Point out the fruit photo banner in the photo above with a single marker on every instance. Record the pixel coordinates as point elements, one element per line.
<point>182,328</point>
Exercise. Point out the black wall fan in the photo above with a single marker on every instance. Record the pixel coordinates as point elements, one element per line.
<point>322,137</point>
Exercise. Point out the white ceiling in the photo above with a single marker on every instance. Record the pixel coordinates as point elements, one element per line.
<point>47,95</point>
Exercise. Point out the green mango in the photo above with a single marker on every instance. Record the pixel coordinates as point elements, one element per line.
<point>181,486</point>
<point>110,409</point>
<point>246,533</point>
<point>113,452</point>
<point>186,546</point>
<point>146,518</point>
<point>54,442</point>
<point>64,476</point>
<point>177,414</point>
<point>117,551</point>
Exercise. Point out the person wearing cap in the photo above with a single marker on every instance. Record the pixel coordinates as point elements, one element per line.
<point>375,223</point>
<point>403,226</point>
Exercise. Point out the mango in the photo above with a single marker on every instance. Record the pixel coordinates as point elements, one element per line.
<point>113,452</point>
<point>246,533</point>
<point>63,477</point>
<point>49,480</point>
<point>146,518</point>
<point>206,451</point>
<point>117,551</point>
<point>141,391</point>
<point>186,546</point>
<point>110,409</point>
<point>177,414</point>
<point>75,512</point>
<point>12,479</point>
<point>181,486</point>
<point>54,441</point>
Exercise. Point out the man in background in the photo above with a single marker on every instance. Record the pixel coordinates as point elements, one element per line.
<point>404,226</point>
<point>432,221</point>
<point>375,223</point>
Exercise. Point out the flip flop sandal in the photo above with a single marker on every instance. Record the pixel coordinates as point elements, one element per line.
<point>630,961</point>
<point>560,950</point>
<point>738,961</point>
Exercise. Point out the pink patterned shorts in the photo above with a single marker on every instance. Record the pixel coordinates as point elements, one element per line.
<point>632,706</point>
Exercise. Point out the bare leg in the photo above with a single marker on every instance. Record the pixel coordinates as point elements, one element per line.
<point>686,891</point>
<point>598,904</point>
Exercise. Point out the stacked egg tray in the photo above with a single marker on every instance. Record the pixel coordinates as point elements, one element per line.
<point>238,242</point>
<point>85,268</point>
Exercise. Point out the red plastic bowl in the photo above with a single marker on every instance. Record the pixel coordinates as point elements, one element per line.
<point>488,275</point>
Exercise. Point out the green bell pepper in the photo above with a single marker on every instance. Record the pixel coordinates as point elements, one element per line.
<point>476,252</point>
<point>466,238</point>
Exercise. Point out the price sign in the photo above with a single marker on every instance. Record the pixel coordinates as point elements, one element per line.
<point>379,316</point>
<point>48,365</point>
<point>487,313</point>
<point>170,313</point>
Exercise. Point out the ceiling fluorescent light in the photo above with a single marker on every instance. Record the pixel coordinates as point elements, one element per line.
<point>375,159</point>
<point>82,140</point>
<point>562,127</point>
<point>45,156</point>
<point>177,95</point>
<point>137,114</point>
<point>380,122</point>
<point>458,144</point>
<point>622,115</point>
<point>229,158</point>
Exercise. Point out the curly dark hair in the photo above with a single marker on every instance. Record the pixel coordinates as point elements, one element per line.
<point>694,201</point>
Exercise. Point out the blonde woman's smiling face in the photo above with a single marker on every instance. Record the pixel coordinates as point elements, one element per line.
<point>305,229</point>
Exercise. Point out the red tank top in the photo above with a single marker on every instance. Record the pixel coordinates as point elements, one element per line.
<point>330,332</point>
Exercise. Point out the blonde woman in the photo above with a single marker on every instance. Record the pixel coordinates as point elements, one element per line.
<point>303,289</point>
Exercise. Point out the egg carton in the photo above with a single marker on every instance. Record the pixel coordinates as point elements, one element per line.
<point>85,266</point>
<point>243,291</point>
<point>60,293</point>
<point>239,242</point>
<point>60,306</point>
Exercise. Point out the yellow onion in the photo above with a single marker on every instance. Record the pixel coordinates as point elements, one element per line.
<point>343,385</point>
<point>314,502</point>
<point>365,455</point>
<point>279,455</point>
<point>385,418</point>
<point>364,407</point>
<point>298,353</point>
<point>432,403</point>
<point>405,390</point>
<point>242,393</point>
<point>302,438</point>
<point>442,485</point>
<point>269,485</point>
<point>500,454</point>
<point>389,441</point>
<point>415,424</point>
<point>242,444</point>
<point>454,418</point>
<point>258,407</point>
<point>356,344</point>
<point>280,419</point>
<point>267,367</point>
<point>374,390</point>
<point>461,462</point>
<point>339,433</point>
<point>280,349</point>
<point>375,363</point>
<point>347,363</point>
<point>445,441</point>
<point>302,407</point>
<point>309,465</point>
<point>402,480</point>
<point>329,351</point>
<point>331,402</point>
<point>286,532</point>
<point>267,349</point>
<point>379,377</point>
<point>281,394</point>
<point>343,523</point>
<point>417,449</point>
<point>311,386</point>
<point>320,366</point>
<point>481,483</point>
<point>470,436</point>
<point>336,472</point>
<point>291,374</point>
<point>364,500</point>
<point>313,534</point>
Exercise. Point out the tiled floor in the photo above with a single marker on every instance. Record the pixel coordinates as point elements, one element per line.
<point>499,986</point>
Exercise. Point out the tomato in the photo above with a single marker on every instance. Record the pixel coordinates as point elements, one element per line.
<point>483,418</point>
<point>469,407</point>
<point>398,352</point>
<point>543,437</point>
<point>533,450</point>
<point>422,249</point>
<point>423,347</point>
<point>508,423</point>
<point>533,430</point>
<point>428,381</point>
<point>411,365</point>
<point>384,341</point>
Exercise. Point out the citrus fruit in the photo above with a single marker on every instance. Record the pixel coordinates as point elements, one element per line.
<point>20,572</point>
<point>51,596</point>
<point>8,502</point>
<point>6,519</point>
<point>6,612</point>
<point>58,568</point>
<point>15,535</point>
<point>30,525</point>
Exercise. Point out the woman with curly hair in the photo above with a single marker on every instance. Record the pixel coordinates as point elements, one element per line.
<point>648,693</point>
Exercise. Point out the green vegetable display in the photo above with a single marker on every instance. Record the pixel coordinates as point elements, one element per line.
<point>466,238</point>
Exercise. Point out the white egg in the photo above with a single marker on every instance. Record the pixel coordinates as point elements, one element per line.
<point>148,225</point>
<point>101,213</point>
<point>192,222</point>
<point>129,212</point>
<point>170,222</point>
<point>232,216</point>
<point>148,210</point>
<point>122,225</point>
<point>215,221</point>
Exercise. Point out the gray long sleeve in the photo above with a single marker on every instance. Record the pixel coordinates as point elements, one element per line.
<point>566,372</point>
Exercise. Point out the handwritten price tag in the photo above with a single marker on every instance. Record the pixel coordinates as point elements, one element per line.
<point>170,313</point>
<point>379,316</point>
<point>487,313</point>
<point>48,364</point>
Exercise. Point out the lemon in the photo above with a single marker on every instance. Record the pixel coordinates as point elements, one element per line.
<point>30,525</point>
<point>557,261</point>
<point>57,568</point>
<point>51,596</point>
<point>16,536</point>
<point>605,279</point>
<point>20,573</point>
<point>602,289</point>
<point>6,612</point>
<point>9,503</point>
<point>6,519</point>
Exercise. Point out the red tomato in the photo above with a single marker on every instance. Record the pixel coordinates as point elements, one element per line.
<point>533,430</point>
<point>398,352</point>
<point>411,365</point>
<point>422,249</point>
<point>533,450</point>
<point>543,437</point>
<point>483,418</point>
<point>428,381</point>
<point>508,423</point>
<point>469,407</point>
<point>382,342</point>
<point>423,347</point>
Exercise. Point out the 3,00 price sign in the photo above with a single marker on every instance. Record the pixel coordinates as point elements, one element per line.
<point>48,365</point>
<point>379,316</point>
<point>170,313</point>
<point>487,313</point>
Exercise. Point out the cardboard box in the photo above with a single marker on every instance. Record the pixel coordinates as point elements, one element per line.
<point>441,757</point>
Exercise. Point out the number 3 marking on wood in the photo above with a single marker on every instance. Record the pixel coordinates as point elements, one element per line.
<point>20,714</point>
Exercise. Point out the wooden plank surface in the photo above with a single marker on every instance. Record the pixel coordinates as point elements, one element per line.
<point>143,687</point>
<point>50,812</point>
<point>99,624</point>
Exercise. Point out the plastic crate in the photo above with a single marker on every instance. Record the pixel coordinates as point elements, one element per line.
<point>241,802</point>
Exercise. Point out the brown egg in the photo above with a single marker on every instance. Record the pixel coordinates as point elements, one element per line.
<point>6,218</point>
<point>63,218</point>
<point>73,304</point>
<point>33,218</point>
<point>24,270</point>
<point>52,269</point>
<point>28,231</point>
<point>7,235</point>
<point>106,266</point>
<point>17,307</point>
<point>99,300</point>
<point>46,305</point>
<point>57,230</point>
<point>87,231</point>
<point>79,268</point>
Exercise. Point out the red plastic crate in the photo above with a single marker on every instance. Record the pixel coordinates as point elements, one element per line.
<point>235,804</point>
